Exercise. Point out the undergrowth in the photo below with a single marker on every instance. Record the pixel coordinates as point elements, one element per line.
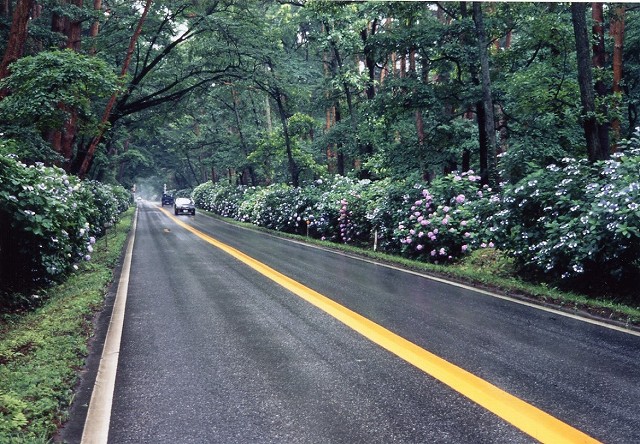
<point>41,351</point>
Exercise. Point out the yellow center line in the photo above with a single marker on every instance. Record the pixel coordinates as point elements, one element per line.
<point>531,420</point>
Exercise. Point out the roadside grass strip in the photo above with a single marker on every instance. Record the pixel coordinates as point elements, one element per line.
<point>42,351</point>
<point>529,419</point>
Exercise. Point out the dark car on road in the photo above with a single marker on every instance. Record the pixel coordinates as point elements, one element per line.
<point>167,199</point>
<point>184,205</point>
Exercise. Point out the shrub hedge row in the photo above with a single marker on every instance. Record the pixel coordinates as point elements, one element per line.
<point>49,221</point>
<point>574,223</point>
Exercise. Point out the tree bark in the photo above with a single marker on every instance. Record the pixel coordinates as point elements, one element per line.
<point>339,151</point>
<point>95,26</point>
<point>370,63</point>
<point>617,32</point>
<point>369,58</point>
<point>88,158</point>
<point>585,81</point>
<point>73,30</point>
<point>598,61</point>
<point>62,139</point>
<point>17,37</point>
<point>243,142</point>
<point>349,96</point>
<point>293,167</point>
<point>490,175</point>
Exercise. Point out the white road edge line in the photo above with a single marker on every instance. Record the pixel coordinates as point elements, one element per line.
<point>457,284</point>
<point>96,426</point>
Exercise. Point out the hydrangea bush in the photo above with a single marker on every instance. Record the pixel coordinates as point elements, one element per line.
<point>573,223</point>
<point>278,207</point>
<point>48,221</point>
<point>340,213</point>
<point>444,221</point>
<point>217,198</point>
<point>576,221</point>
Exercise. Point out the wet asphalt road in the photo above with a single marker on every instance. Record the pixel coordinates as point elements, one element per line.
<point>213,352</point>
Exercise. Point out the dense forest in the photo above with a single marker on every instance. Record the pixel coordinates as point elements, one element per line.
<point>518,98</point>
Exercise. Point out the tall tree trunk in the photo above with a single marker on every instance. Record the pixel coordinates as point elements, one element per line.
<point>585,81</point>
<point>17,37</point>
<point>339,151</point>
<point>331,151</point>
<point>62,139</point>
<point>95,25</point>
<point>349,96</point>
<point>73,30</point>
<point>88,158</point>
<point>617,32</point>
<point>482,138</point>
<point>369,58</point>
<point>598,61</point>
<point>328,66</point>
<point>243,142</point>
<point>503,143</point>
<point>370,63</point>
<point>58,22</point>
<point>478,106</point>
<point>267,109</point>
<point>490,175</point>
<point>293,167</point>
<point>419,122</point>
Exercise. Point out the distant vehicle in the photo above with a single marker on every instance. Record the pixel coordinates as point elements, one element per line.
<point>184,205</point>
<point>167,199</point>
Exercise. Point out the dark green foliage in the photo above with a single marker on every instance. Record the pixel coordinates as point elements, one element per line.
<point>41,350</point>
<point>576,222</point>
<point>49,221</point>
<point>39,85</point>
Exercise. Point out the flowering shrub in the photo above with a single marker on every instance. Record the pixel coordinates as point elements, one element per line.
<point>108,203</point>
<point>220,199</point>
<point>441,225</point>
<point>577,221</point>
<point>46,221</point>
<point>278,207</point>
<point>339,214</point>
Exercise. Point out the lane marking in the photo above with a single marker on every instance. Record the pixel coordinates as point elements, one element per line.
<point>524,302</point>
<point>96,426</point>
<point>529,419</point>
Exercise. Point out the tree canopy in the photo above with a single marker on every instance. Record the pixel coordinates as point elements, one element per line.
<point>256,92</point>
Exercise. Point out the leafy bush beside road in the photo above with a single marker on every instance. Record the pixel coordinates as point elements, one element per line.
<point>576,224</point>
<point>577,221</point>
<point>49,221</point>
<point>41,350</point>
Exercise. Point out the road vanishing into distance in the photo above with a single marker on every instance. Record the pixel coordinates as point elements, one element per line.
<point>231,335</point>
